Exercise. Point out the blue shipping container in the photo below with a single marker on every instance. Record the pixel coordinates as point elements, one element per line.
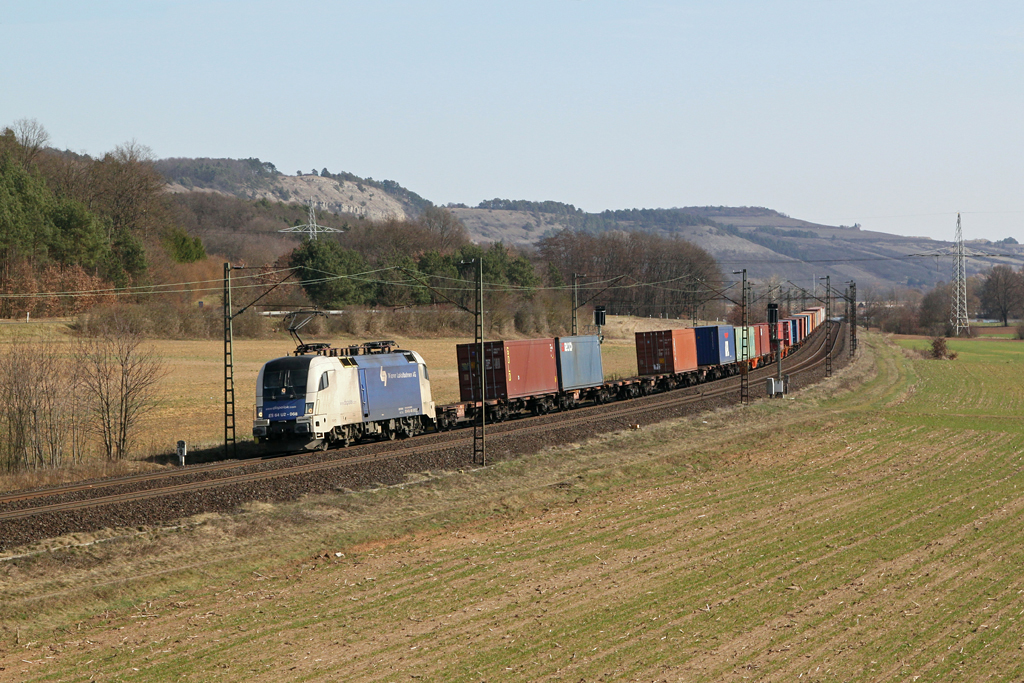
<point>716,344</point>
<point>579,362</point>
<point>389,387</point>
<point>792,327</point>
<point>807,323</point>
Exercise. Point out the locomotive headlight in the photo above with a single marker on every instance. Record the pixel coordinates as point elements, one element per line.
<point>309,409</point>
<point>259,412</point>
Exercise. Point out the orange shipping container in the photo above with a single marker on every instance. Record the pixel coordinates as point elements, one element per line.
<point>666,352</point>
<point>764,345</point>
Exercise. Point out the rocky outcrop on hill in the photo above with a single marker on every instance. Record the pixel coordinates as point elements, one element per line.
<point>327,194</point>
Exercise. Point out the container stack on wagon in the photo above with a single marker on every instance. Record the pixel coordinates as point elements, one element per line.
<point>539,375</point>
<point>580,370</point>
<point>716,348</point>
<point>748,350</point>
<point>666,352</point>
<point>518,374</point>
<point>667,359</point>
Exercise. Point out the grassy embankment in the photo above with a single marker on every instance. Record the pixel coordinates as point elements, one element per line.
<point>864,535</point>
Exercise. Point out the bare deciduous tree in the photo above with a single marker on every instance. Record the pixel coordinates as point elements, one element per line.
<point>120,377</point>
<point>128,189</point>
<point>679,268</point>
<point>42,406</point>
<point>31,137</point>
<point>1002,292</point>
<point>447,230</point>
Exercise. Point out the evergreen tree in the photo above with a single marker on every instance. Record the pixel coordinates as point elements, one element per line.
<point>324,266</point>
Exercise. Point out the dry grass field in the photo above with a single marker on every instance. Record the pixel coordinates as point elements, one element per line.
<point>864,529</point>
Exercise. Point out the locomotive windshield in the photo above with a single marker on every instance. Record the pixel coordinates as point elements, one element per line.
<point>285,379</point>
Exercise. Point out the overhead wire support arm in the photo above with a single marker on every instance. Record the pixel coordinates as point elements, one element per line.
<point>806,293</point>
<point>611,284</point>
<point>721,292</point>
<point>253,302</point>
<point>576,304</point>
<point>434,290</point>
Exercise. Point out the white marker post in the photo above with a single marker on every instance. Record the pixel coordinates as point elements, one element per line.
<point>182,450</point>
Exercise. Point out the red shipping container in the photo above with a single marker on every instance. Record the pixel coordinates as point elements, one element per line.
<point>764,346</point>
<point>512,369</point>
<point>666,352</point>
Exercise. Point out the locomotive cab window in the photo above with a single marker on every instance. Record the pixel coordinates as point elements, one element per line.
<point>285,379</point>
<point>324,382</point>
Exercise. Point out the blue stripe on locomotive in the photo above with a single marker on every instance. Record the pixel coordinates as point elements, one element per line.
<point>389,387</point>
<point>276,411</point>
<point>579,362</point>
<point>716,344</point>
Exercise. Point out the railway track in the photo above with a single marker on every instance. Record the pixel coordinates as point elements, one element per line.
<point>159,497</point>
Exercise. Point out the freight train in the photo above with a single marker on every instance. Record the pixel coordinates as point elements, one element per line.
<point>323,397</point>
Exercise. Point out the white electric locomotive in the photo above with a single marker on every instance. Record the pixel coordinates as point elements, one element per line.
<point>334,397</point>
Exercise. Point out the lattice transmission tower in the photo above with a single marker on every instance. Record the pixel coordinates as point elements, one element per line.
<point>311,228</point>
<point>958,311</point>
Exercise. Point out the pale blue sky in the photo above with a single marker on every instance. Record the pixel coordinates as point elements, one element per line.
<point>892,114</point>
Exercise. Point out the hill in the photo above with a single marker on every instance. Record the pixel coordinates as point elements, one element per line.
<point>769,244</point>
<point>342,193</point>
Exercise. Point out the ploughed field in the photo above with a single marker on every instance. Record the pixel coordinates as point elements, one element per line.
<point>867,528</point>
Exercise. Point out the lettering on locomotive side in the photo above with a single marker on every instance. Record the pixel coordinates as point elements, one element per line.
<point>402,375</point>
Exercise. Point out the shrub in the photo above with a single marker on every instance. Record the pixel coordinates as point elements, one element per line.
<point>939,350</point>
<point>165,321</point>
<point>252,325</point>
<point>109,320</point>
